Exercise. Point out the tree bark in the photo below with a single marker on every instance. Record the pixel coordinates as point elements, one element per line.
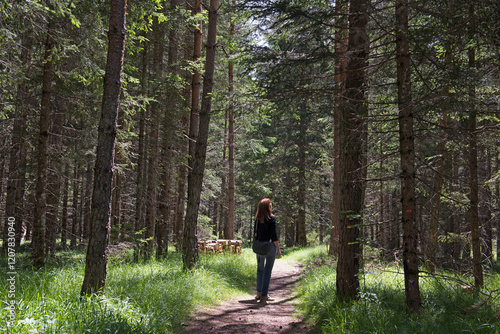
<point>65,196</point>
<point>97,251</point>
<point>54,180</point>
<point>341,43</point>
<point>195,86</point>
<point>152,190</point>
<point>407,155</point>
<point>485,203</point>
<point>354,112</point>
<point>154,147</point>
<point>195,176</point>
<point>473,174</point>
<point>430,252</point>
<point>141,163</point>
<point>184,148</point>
<point>181,187</point>
<point>230,176</point>
<point>76,208</point>
<point>40,215</point>
<point>457,218</point>
<point>381,230</point>
<point>86,203</point>
<point>222,227</point>
<point>301,193</point>
<point>171,105</point>
<point>17,159</point>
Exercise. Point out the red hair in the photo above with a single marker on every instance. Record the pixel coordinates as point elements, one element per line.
<point>264,210</point>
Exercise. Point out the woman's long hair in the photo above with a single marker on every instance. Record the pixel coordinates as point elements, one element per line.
<point>264,210</point>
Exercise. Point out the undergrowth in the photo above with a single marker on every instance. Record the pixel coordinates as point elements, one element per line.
<point>155,296</point>
<point>380,308</point>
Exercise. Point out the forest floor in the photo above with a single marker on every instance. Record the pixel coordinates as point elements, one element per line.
<point>245,315</point>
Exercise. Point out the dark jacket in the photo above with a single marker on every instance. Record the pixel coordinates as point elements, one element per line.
<point>267,230</point>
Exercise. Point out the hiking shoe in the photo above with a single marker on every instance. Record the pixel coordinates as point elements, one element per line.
<point>266,299</point>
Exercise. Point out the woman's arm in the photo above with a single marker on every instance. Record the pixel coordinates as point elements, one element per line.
<point>278,254</point>
<point>274,236</point>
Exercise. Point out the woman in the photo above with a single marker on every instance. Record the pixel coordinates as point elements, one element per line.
<point>265,225</point>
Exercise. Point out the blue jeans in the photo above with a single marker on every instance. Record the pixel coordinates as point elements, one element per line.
<point>265,265</point>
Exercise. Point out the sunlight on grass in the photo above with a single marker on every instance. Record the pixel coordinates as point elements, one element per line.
<point>305,255</point>
<point>156,296</point>
<point>148,297</point>
<point>381,306</point>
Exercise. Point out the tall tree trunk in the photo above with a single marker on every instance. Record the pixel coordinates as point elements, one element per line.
<point>485,198</point>
<point>181,187</point>
<point>40,214</point>
<point>381,231</point>
<point>184,148</point>
<point>163,205</point>
<point>473,177</point>
<point>195,86</point>
<point>407,154</point>
<point>301,194</point>
<point>193,118</point>
<point>230,176</point>
<point>171,105</point>
<point>222,228</point>
<point>86,203</point>
<point>195,177</point>
<point>447,168</point>
<point>116,193</point>
<point>76,208</point>
<point>83,206</point>
<point>154,141</point>
<point>28,222</point>
<point>474,199</point>
<point>17,159</point>
<point>141,162</point>
<point>65,198</point>
<point>341,43</point>
<point>430,252</point>
<point>54,181</point>
<point>97,251</point>
<point>458,220</point>
<point>354,112</point>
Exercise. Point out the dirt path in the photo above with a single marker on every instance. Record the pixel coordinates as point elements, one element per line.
<point>245,315</point>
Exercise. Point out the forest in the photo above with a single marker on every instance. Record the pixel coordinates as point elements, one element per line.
<point>133,132</point>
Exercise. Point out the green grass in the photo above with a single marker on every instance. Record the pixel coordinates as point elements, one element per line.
<point>316,254</point>
<point>151,297</point>
<point>157,296</point>
<point>381,306</point>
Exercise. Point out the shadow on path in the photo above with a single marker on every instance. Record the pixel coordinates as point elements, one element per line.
<point>247,315</point>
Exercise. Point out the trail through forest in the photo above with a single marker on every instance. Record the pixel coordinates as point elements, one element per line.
<point>245,315</point>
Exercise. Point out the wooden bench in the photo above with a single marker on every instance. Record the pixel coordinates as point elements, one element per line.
<point>219,246</point>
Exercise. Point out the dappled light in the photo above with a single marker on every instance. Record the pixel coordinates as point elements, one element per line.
<point>250,166</point>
